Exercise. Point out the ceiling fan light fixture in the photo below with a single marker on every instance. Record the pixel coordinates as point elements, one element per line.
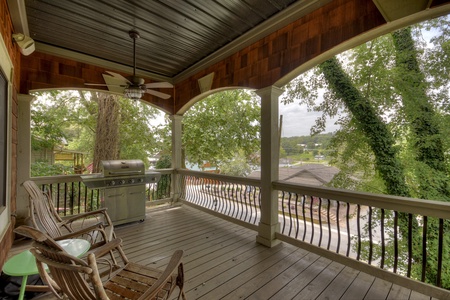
<point>133,87</point>
<point>134,93</point>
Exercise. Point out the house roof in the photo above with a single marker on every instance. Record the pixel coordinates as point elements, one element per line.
<point>311,174</point>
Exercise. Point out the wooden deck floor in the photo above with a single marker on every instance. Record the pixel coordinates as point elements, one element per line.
<point>223,261</point>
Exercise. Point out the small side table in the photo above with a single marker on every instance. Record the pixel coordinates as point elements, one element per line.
<point>24,263</point>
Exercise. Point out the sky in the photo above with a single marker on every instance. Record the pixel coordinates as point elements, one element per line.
<point>297,120</point>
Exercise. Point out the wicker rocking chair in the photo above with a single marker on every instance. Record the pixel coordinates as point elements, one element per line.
<point>76,279</point>
<point>94,226</point>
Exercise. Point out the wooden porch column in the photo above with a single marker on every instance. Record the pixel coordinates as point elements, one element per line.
<point>176,154</point>
<point>268,224</point>
<point>23,154</point>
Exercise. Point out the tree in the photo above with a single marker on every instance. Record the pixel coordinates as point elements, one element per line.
<point>385,85</point>
<point>236,166</point>
<point>72,115</point>
<point>220,126</point>
<point>107,131</point>
<point>420,115</point>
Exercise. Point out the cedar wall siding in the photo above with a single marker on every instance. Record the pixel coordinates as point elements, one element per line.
<point>42,71</point>
<point>6,30</point>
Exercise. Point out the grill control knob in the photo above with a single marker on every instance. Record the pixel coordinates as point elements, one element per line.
<point>132,180</point>
<point>141,179</point>
<point>122,181</point>
<point>112,182</point>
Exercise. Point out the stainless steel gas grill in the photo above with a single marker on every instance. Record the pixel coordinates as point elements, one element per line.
<point>122,186</point>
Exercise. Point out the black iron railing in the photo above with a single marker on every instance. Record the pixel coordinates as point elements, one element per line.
<point>409,237</point>
<point>238,198</point>
<point>70,196</point>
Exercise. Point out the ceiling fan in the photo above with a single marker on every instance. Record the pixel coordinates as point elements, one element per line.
<point>133,87</point>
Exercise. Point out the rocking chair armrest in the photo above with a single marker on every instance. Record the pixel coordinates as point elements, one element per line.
<point>86,230</point>
<point>174,262</point>
<point>105,248</point>
<point>101,211</point>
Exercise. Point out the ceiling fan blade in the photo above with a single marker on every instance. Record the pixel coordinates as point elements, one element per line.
<point>116,83</point>
<point>117,76</point>
<point>96,84</point>
<point>104,84</point>
<point>158,94</point>
<point>159,85</point>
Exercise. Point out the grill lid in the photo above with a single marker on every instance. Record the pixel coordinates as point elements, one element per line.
<point>114,168</point>
<point>115,173</point>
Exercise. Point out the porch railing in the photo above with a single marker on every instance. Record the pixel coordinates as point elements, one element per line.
<point>70,196</point>
<point>233,197</point>
<point>406,237</point>
<point>403,236</point>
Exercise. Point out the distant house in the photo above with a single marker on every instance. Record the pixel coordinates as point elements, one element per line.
<point>310,174</point>
<point>206,167</point>
<point>58,154</point>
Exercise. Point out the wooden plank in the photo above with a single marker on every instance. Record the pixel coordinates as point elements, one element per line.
<point>398,293</point>
<point>267,266</point>
<point>379,290</point>
<point>225,270</point>
<point>280,281</point>
<point>324,278</point>
<point>303,279</point>
<point>418,296</point>
<point>359,286</point>
<point>340,284</point>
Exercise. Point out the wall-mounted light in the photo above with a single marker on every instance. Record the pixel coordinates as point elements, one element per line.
<point>26,44</point>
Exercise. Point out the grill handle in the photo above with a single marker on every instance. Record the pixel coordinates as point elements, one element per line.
<point>124,172</point>
<point>116,195</point>
<point>134,193</point>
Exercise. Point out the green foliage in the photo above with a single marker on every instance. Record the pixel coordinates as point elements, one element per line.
<point>70,116</point>
<point>221,125</point>
<point>43,168</point>
<point>138,139</point>
<point>236,166</point>
<point>292,145</point>
<point>164,162</point>
<point>163,187</point>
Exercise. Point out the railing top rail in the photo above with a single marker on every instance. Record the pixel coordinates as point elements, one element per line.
<point>56,179</point>
<point>429,208</point>
<point>77,178</point>
<point>221,177</point>
<point>163,171</point>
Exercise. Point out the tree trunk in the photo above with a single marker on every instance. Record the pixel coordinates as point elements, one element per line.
<point>378,136</point>
<point>107,134</point>
<point>419,113</point>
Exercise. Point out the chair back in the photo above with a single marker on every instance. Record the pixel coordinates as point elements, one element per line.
<point>42,212</point>
<point>68,273</point>
<point>80,280</point>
